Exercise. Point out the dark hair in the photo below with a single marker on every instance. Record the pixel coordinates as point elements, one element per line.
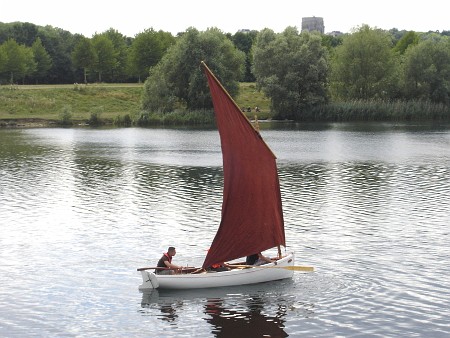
<point>171,248</point>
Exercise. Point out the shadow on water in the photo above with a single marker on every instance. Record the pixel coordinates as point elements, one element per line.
<point>244,311</point>
<point>227,322</point>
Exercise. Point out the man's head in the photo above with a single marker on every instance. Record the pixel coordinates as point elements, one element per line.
<point>171,251</point>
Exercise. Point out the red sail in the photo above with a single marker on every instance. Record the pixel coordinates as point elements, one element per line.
<point>252,216</point>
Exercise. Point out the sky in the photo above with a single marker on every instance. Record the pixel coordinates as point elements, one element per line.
<point>131,17</point>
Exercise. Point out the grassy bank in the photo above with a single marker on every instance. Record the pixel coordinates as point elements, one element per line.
<point>249,96</point>
<point>82,103</point>
<point>119,104</point>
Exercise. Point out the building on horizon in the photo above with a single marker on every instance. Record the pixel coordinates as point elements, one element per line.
<point>313,24</point>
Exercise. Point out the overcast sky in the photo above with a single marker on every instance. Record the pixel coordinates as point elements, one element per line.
<point>134,16</point>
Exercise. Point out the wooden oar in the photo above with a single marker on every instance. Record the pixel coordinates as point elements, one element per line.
<point>158,268</point>
<point>293,267</point>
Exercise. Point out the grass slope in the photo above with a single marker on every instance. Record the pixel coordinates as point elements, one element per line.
<point>48,102</point>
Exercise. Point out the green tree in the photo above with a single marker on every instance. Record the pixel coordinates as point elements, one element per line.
<point>427,71</point>
<point>332,41</point>
<point>178,78</point>
<point>292,70</point>
<point>83,56</point>
<point>146,51</point>
<point>396,34</point>
<point>409,39</point>
<point>105,56</point>
<point>364,66</point>
<point>2,61</point>
<point>42,58</point>
<point>24,33</point>
<point>119,41</point>
<point>30,63</point>
<point>243,41</point>
<point>60,45</point>
<point>19,61</point>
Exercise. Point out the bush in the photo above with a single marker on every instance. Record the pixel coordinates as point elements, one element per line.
<point>192,117</point>
<point>124,121</point>
<point>95,120</point>
<point>65,117</point>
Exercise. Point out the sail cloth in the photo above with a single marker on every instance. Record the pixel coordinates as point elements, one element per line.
<point>252,216</point>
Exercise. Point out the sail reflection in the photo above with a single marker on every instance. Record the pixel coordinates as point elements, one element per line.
<point>231,312</point>
<point>245,323</point>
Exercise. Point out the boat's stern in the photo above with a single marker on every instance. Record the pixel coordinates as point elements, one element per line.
<point>149,280</point>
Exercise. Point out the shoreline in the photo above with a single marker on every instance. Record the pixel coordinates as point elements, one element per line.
<point>38,123</point>
<point>50,123</point>
<point>27,123</point>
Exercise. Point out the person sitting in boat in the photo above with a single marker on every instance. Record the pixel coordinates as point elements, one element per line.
<point>218,267</point>
<point>166,262</point>
<point>258,259</point>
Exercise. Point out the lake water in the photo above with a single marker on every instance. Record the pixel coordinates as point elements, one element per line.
<point>80,209</point>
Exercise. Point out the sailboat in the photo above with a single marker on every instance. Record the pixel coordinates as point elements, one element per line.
<point>252,216</point>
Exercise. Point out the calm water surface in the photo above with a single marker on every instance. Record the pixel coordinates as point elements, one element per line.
<point>81,209</point>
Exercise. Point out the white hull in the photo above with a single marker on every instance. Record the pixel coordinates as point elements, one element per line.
<point>264,273</point>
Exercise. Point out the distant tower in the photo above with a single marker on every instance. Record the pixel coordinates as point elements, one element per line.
<point>313,24</point>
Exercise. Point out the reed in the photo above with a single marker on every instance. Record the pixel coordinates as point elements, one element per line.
<point>179,117</point>
<point>377,110</point>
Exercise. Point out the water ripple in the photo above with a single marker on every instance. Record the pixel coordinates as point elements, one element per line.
<point>81,209</point>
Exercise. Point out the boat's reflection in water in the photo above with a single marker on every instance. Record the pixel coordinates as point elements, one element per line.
<point>251,322</point>
<point>245,311</point>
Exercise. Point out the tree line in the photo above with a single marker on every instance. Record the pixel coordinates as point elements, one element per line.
<point>298,71</point>
<point>32,54</point>
<point>309,76</point>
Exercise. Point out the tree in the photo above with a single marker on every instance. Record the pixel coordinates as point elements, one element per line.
<point>243,41</point>
<point>2,61</point>
<point>409,39</point>
<point>427,71</point>
<point>178,78</point>
<point>83,56</point>
<point>105,59</point>
<point>292,70</point>
<point>24,33</point>
<point>30,63</point>
<point>119,41</point>
<point>59,44</point>
<point>42,58</point>
<point>19,61</point>
<point>364,66</point>
<point>147,50</point>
